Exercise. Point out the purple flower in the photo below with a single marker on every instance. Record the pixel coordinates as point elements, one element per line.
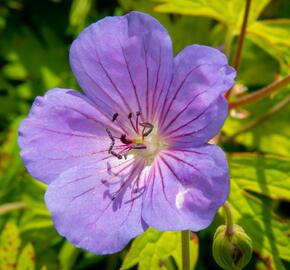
<point>132,151</point>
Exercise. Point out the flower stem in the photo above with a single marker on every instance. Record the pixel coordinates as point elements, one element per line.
<point>229,218</point>
<point>9,207</point>
<point>269,89</point>
<point>185,237</point>
<point>237,58</point>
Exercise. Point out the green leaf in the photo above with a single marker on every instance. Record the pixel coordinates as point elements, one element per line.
<point>68,255</point>
<point>152,250</point>
<point>35,223</point>
<point>9,246</point>
<point>15,71</point>
<point>273,36</point>
<point>79,14</point>
<point>26,259</point>
<point>270,136</point>
<point>88,261</point>
<point>11,167</point>
<point>276,31</point>
<point>256,62</point>
<point>229,12</point>
<point>267,175</point>
<point>268,232</point>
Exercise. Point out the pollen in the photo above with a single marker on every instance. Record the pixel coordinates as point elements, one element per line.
<point>138,140</point>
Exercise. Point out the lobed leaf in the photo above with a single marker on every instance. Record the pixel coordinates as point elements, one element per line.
<point>228,12</point>
<point>267,175</point>
<point>269,234</point>
<point>270,136</point>
<point>9,246</point>
<point>26,259</point>
<point>273,36</point>
<point>152,250</point>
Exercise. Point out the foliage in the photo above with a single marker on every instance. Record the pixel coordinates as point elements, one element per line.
<point>153,250</point>
<point>35,39</point>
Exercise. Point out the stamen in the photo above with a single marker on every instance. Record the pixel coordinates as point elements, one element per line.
<point>119,156</point>
<point>137,121</point>
<point>112,139</point>
<point>128,144</point>
<point>138,146</point>
<point>146,125</point>
<point>130,118</point>
<point>124,140</point>
<point>115,115</point>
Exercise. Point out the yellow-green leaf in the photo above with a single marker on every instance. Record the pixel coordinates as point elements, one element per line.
<point>229,12</point>
<point>269,136</point>
<point>269,233</point>
<point>267,175</point>
<point>152,250</point>
<point>273,36</point>
<point>26,259</point>
<point>9,246</point>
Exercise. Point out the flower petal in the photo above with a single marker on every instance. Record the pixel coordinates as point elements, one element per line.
<point>93,207</point>
<point>195,108</point>
<point>63,129</point>
<point>186,188</point>
<point>122,63</point>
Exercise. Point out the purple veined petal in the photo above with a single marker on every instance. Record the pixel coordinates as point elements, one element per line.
<point>185,188</point>
<point>96,207</point>
<point>201,77</point>
<point>200,129</point>
<point>124,63</point>
<point>64,129</point>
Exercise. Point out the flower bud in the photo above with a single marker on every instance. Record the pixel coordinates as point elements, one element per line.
<point>232,251</point>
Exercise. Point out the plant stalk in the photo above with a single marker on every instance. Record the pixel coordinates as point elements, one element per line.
<point>278,107</point>
<point>238,54</point>
<point>185,238</point>
<point>9,207</point>
<point>229,218</point>
<point>269,89</point>
<point>237,58</point>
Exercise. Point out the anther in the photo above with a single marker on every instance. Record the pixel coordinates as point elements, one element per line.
<point>138,146</point>
<point>112,139</point>
<point>146,125</point>
<point>124,140</point>
<point>115,115</point>
<point>130,115</point>
<point>119,156</point>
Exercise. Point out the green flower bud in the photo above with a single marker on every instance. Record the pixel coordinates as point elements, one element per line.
<point>232,251</point>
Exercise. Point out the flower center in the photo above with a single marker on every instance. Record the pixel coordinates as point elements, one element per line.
<point>154,144</point>
<point>146,144</point>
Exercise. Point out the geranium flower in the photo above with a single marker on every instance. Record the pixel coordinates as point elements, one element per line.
<point>132,151</point>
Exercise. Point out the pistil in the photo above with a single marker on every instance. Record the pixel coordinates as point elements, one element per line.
<point>128,143</point>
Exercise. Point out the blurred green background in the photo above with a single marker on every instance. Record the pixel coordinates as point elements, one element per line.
<point>35,37</point>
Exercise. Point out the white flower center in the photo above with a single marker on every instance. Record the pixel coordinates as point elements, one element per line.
<point>154,144</point>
